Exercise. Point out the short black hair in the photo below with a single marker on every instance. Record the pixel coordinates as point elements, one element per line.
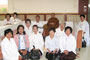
<point>18,29</point>
<point>15,13</point>
<point>8,31</point>
<point>35,26</point>
<point>53,29</point>
<point>82,15</point>
<point>37,16</point>
<point>68,27</point>
<point>7,15</point>
<point>27,20</point>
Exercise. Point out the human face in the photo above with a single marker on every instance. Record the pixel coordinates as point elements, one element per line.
<point>35,30</point>
<point>15,16</point>
<point>8,17</point>
<point>9,35</point>
<point>28,24</point>
<point>53,15</point>
<point>51,33</point>
<point>68,32</point>
<point>37,19</point>
<point>21,30</point>
<point>62,26</point>
<point>82,18</point>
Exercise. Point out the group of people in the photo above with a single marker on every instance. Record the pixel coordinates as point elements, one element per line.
<point>59,42</point>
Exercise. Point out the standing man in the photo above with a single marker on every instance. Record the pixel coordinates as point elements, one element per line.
<point>84,26</point>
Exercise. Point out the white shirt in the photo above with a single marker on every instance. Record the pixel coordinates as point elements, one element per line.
<point>28,31</point>
<point>40,26</point>
<point>9,49</point>
<point>59,33</point>
<point>52,44</point>
<point>37,41</point>
<point>6,22</point>
<point>67,43</point>
<point>22,42</point>
<point>15,20</point>
<point>85,27</point>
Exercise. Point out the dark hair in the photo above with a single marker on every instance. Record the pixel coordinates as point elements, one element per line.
<point>8,31</point>
<point>53,13</point>
<point>82,15</point>
<point>68,28</point>
<point>18,29</point>
<point>35,26</point>
<point>37,16</point>
<point>27,20</point>
<point>52,29</point>
<point>7,15</point>
<point>15,13</point>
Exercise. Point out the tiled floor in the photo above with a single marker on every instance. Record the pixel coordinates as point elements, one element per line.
<point>84,54</point>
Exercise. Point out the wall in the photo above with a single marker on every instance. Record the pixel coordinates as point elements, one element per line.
<point>43,6</point>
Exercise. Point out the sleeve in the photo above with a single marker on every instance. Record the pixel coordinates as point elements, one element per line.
<point>46,43</point>
<point>7,54</point>
<point>4,22</point>
<point>73,48</point>
<point>57,43</point>
<point>41,42</point>
<point>28,42</point>
<point>61,44</point>
<point>16,47</point>
<point>31,43</point>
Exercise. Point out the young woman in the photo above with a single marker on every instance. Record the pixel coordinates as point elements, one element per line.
<point>22,41</point>
<point>8,47</point>
<point>67,45</point>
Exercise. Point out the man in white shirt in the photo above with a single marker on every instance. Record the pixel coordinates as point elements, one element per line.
<point>39,24</point>
<point>36,40</point>
<point>84,26</point>
<point>60,31</point>
<point>8,21</point>
<point>9,48</point>
<point>28,27</point>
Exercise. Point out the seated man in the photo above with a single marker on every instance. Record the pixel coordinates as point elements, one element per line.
<point>8,47</point>
<point>36,40</point>
<point>67,45</point>
<point>60,30</point>
<point>39,24</point>
<point>15,17</point>
<point>28,27</point>
<point>8,21</point>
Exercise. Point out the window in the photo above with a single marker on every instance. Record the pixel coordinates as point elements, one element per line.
<point>3,6</point>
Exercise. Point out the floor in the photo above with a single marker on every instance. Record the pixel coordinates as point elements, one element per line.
<point>84,54</point>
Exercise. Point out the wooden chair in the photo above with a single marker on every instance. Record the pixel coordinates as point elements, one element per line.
<point>79,39</point>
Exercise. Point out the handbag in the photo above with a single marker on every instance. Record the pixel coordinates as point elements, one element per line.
<point>83,43</point>
<point>34,55</point>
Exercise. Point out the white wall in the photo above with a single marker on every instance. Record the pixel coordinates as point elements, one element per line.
<point>43,6</point>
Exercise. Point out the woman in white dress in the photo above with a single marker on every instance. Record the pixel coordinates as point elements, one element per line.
<point>67,45</point>
<point>52,45</point>
<point>9,48</point>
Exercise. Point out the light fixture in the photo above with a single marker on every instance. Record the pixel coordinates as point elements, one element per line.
<point>88,5</point>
